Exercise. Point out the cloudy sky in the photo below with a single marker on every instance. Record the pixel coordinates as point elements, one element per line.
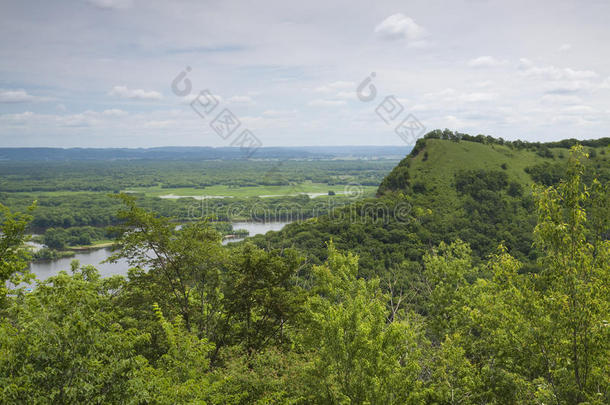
<point>99,73</point>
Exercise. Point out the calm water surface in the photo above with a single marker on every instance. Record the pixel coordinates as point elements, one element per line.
<point>44,270</point>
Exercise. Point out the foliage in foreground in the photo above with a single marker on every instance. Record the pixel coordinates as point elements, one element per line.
<point>209,324</point>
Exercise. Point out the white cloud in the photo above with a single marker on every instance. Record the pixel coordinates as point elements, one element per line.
<point>485,61</point>
<point>346,95</point>
<point>451,121</point>
<point>192,97</point>
<point>562,81</point>
<point>528,68</point>
<point>452,96</point>
<point>15,96</point>
<point>86,118</point>
<point>484,83</point>
<point>19,118</point>
<point>560,99</point>
<point>579,109</point>
<point>160,124</point>
<point>400,27</point>
<point>112,4</point>
<point>573,120</point>
<point>565,47</point>
<point>421,107</point>
<point>279,113</point>
<point>240,100</point>
<point>114,112</point>
<point>134,94</point>
<point>447,94</point>
<point>79,120</point>
<point>477,97</point>
<point>19,96</point>
<point>256,123</point>
<point>335,86</point>
<point>325,103</point>
<point>567,86</point>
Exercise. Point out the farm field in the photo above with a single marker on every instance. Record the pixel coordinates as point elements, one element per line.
<point>219,191</point>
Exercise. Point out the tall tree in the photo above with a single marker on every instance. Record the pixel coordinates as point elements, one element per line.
<point>357,355</point>
<point>14,257</point>
<point>182,264</point>
<point>574,304</point>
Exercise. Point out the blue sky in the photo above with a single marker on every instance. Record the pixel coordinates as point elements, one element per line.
<point>98,73</point>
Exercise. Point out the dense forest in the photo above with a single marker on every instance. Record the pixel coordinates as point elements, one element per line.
<point>479,274</point>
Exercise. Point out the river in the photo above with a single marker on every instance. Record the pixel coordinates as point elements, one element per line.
<point>46,269</point>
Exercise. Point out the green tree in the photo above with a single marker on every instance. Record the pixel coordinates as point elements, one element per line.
<point>55,238</point>
<point>245,296</point>
<point>574,305</point>
<point>260,295</point>
<point>182,263</point>
<point>357,355</point>
<point>446,273</point>
<point>14,257</point>
<point>180,375</point>
<point>63,343</point>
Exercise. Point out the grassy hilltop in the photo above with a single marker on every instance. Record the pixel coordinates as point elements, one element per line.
<point>478,189</point>
<point>436,161</point>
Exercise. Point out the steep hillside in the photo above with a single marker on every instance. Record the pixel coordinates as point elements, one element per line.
<point>478,189</point>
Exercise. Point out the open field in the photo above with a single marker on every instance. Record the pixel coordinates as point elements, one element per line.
<point>313,189</point>
<point>97,244</point>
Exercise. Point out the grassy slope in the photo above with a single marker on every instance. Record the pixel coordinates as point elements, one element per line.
<point>436,164</point>
<point>445,158</point>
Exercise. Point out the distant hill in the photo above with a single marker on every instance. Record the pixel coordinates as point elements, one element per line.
<point>452,186</point>
<point>434,161</point>
<point>203,153</point>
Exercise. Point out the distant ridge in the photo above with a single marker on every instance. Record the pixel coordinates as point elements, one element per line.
<point>202,153</point>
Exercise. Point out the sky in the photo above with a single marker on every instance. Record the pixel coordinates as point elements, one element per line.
<point>130,73</point>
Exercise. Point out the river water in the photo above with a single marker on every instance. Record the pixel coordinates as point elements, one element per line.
<point>46,269</point>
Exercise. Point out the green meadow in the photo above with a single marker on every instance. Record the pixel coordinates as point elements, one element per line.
<point>255,191</point>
